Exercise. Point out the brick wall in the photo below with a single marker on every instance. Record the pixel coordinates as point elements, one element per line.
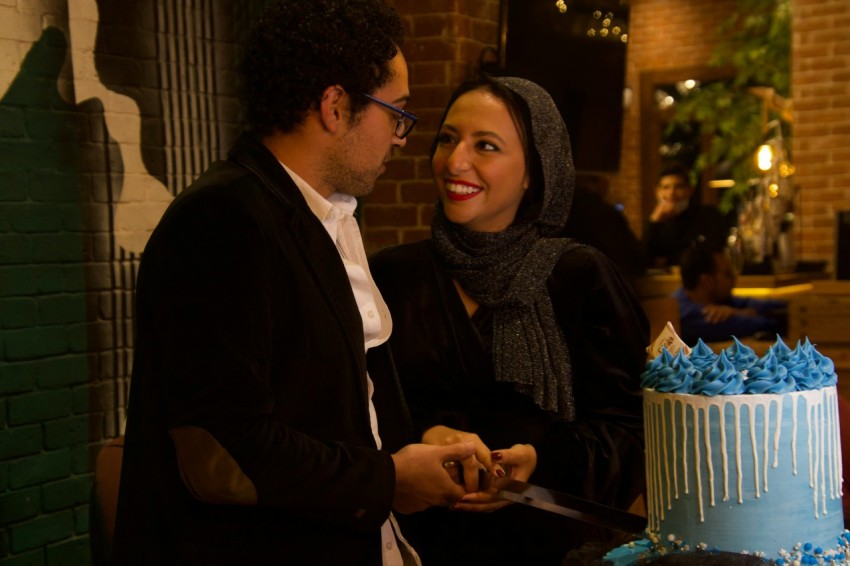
<point>106,111</point>
<point>821,142</point>
<point>444,43</point>
<point>45,392</point>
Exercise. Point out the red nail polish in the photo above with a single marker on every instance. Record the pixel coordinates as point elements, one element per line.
<point>500,473</point>
<point>496,455</point>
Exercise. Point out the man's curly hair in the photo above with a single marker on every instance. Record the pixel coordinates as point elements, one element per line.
<point>298,48</point>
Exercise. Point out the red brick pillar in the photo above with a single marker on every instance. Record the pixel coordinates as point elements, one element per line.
<point>443,45</point>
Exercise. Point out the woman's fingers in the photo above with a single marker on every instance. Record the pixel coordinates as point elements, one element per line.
<point>480,502</point>
<point>440,434</point>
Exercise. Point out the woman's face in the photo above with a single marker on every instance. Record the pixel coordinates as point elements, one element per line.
<point>479,163</point>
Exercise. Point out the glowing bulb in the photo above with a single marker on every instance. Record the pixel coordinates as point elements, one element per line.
<point>764,158</point>
<point>773,189</point>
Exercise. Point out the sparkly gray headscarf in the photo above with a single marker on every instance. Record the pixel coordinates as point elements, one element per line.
<point>507,271</point>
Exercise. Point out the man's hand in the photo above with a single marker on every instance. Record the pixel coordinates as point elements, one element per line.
<point>718,313</point>
<point>443,436</point>
<point>422,480</point>
<point>664,210</point>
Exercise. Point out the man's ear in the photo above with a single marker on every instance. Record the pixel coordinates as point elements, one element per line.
<point>332,107</point>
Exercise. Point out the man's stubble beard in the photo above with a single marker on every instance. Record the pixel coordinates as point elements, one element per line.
<point>341,171</point>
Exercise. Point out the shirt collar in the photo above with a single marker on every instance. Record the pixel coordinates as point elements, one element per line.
<point>327,210</point>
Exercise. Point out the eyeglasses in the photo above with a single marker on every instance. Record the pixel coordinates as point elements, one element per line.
<point>405,122</point>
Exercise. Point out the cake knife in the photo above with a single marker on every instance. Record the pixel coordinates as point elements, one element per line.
<point>571,506</point>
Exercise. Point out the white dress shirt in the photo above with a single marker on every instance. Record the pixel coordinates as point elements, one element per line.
<point>337,216</point>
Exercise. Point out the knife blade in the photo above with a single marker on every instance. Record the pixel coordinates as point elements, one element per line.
<point>571,506</point>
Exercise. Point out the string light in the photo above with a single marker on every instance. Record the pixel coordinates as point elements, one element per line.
<point>607,26</point>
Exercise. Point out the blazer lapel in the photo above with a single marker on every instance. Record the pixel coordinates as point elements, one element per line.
<point>318,251</point>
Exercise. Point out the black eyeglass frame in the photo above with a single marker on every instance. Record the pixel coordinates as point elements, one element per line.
<point>401,129</point>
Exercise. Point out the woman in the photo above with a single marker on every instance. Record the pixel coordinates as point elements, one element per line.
<point>510,337</point>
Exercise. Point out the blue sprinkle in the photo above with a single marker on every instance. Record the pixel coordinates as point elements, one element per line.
<point>807,547</point>
<point>780,562</point>
<point>818,550</point>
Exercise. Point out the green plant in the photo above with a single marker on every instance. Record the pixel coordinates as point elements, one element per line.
<point>755,42</point>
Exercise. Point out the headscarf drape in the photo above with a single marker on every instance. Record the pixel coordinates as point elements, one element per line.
<point>507,271</point>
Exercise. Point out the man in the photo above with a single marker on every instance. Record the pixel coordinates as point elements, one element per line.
<point>707,308</point>
<point>254,430</point>
<point>676,222</point>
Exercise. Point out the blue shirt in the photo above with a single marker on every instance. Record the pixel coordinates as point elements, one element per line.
<point>694,325</point>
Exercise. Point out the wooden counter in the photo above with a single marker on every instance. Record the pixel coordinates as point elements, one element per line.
<point>767,286</point>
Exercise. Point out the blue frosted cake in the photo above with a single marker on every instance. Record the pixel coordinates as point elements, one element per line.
<point>743,455</point>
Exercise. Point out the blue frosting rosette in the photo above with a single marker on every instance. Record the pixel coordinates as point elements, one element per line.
<point>737,370</point>
<point>821,369</point>
<point>741,355</point>
<point>658,364</point>
<point>669,374</point>
<point>781,350</point>
<point>702,356</point>
<point>768,375</point>
<point>723,378</point>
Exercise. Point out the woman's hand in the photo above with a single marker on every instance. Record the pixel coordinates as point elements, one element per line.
<point>442,435</point>
<point>520,460</point>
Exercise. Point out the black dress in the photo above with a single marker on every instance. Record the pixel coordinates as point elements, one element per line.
<point>444,363</point>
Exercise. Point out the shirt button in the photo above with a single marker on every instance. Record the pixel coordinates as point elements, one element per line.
<point>389,545</point>
<point>371,314</point>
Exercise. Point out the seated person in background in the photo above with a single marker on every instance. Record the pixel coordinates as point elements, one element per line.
<point>596,222</point>
<point>675,221</point>
<point>707,307</point>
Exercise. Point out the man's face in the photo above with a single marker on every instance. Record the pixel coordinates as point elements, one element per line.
<point>674,189</point>
<point>723,279</point>
<point>356,162</point>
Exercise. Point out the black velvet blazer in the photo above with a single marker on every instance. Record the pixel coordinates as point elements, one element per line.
<point>445,368</point>
<point>248,438</point>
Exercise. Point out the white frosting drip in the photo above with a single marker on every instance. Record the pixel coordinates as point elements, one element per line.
<point>764,457</point>
<point>740,475</point>
<point>777,432</point>
<point>706,425</point>
<point>754,445</point>
<point>724,460</point>
<point>697,467</point>
<point>822,445</point>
